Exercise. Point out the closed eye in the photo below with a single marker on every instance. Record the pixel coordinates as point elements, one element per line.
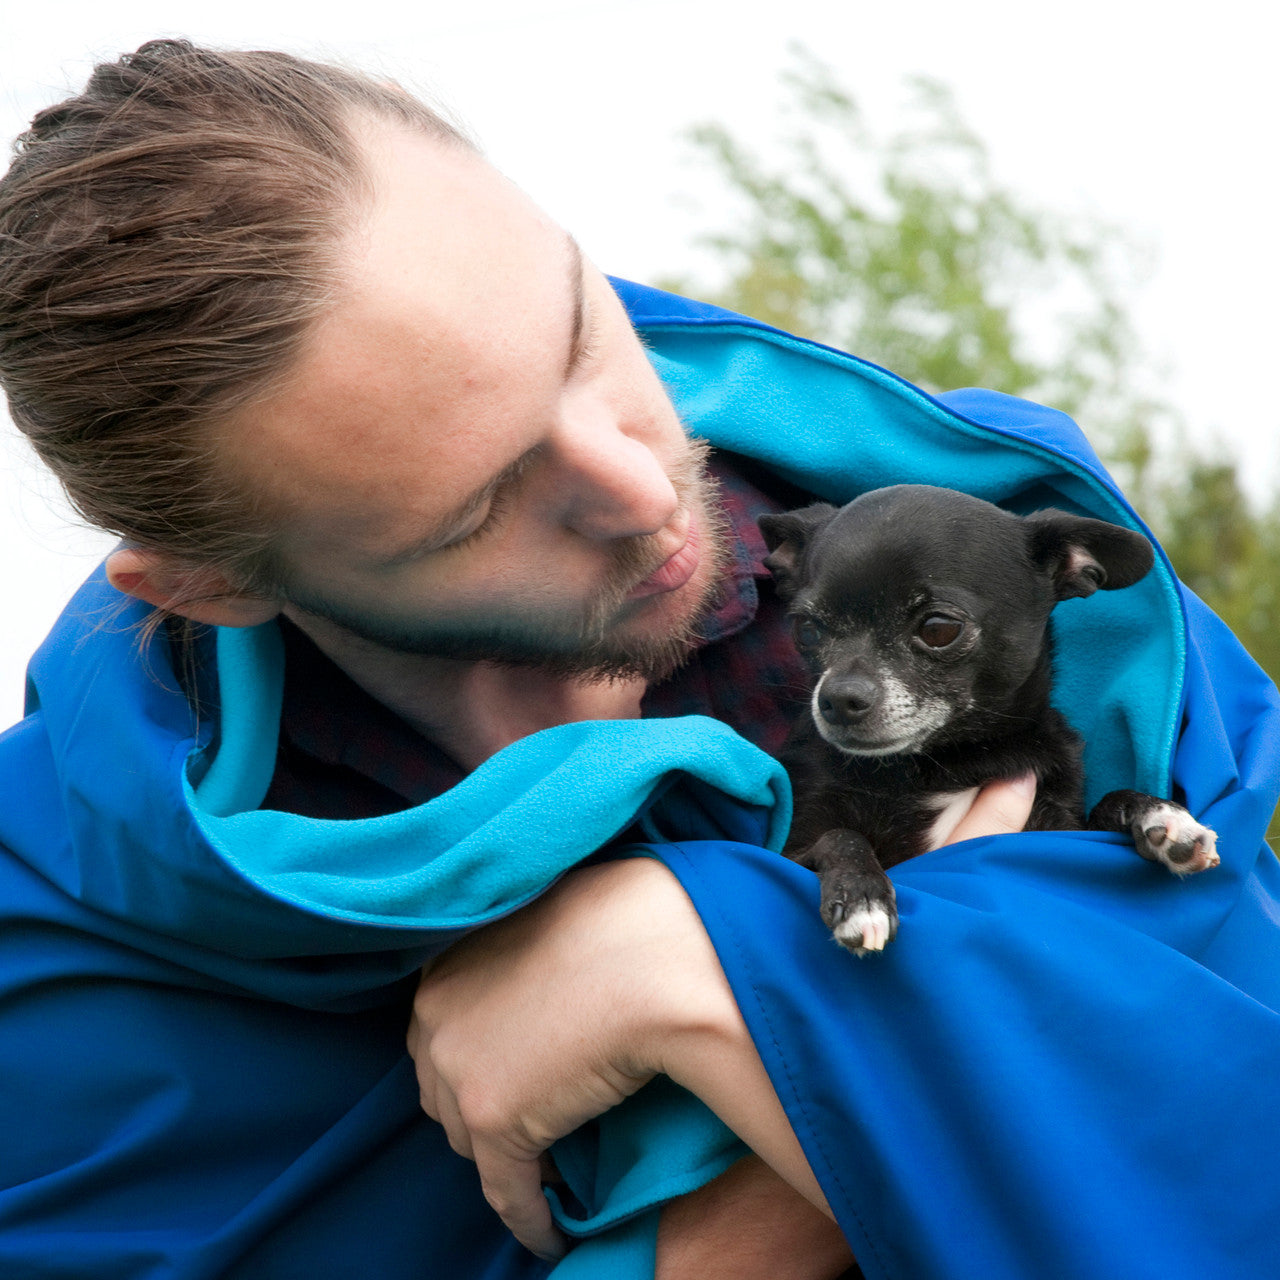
<point>499,501</point>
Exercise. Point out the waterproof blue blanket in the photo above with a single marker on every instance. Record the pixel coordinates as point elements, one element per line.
<point>1062,1067</point>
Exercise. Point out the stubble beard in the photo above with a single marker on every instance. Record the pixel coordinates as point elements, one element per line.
<point>596,647</point>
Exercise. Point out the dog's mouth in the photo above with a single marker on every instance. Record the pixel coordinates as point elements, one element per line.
<point>860,745</point>
<point>893,721</point>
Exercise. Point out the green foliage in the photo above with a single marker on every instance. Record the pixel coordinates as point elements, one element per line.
<point>907,251</point>
<point>1224,550</point>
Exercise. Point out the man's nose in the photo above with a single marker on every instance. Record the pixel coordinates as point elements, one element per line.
<point>611,484</point>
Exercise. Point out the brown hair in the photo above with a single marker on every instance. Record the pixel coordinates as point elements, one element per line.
<point>166,239</point>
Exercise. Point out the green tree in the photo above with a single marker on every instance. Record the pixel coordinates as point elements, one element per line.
<point>1223,548</point>
<point>906,250</point>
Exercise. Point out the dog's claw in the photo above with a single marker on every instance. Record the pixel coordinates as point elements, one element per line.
<point>862,923</point>
<point>1168,834</point>
<point>868,928</point>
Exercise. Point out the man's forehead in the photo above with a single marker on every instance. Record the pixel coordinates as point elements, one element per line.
<point>451,204</point>
<point>448,253</point>
<point>460,311</point>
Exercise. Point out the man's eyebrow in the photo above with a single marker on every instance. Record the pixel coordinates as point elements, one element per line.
<point>577,272</point>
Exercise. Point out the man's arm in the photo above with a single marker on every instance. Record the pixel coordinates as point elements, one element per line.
<point>509,1060</point>
<point>748,1223</point>
<point>532,1026</point>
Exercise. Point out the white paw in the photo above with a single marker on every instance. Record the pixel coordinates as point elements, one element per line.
<point>865,929</point>
<point>1168,834</point>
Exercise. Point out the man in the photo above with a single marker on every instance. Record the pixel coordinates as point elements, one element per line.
<point>376,394</point>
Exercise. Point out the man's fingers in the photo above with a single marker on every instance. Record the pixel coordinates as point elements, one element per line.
<point>998,809</point>
<point>513,1187</point>
<point>447,1113</point>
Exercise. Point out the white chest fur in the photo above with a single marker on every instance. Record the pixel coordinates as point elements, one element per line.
<point>949,808</point>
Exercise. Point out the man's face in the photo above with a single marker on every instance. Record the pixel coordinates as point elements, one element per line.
<point>474,458</point>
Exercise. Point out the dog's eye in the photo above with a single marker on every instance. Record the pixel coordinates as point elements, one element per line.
<point>938,632</point>
<point>807,632</point>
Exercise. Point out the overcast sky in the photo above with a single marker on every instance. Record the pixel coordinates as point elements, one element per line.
<point>1123,109</point>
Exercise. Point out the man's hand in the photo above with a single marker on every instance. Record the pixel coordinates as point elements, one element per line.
<point>533,1025</point>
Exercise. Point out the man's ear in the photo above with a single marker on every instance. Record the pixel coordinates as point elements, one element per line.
<point>787,535</point>
<point>201,593</point>
<point>1084,555</point>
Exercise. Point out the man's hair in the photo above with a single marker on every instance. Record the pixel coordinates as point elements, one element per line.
<point>167,238</point>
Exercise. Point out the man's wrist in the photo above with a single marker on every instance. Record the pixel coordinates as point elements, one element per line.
<point>701,1041</point>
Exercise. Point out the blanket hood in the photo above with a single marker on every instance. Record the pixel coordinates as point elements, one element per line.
<point>148,819</point>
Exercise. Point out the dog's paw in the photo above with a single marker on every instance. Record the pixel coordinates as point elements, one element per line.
<point>1168,834</point>
<point>860,919</point>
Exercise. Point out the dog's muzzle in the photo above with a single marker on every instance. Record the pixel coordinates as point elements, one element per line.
<point>875,714</point>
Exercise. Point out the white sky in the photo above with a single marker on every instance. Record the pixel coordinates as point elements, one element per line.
<point>1161,118</point>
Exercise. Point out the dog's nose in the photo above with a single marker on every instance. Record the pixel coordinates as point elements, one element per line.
<point>847,700</point>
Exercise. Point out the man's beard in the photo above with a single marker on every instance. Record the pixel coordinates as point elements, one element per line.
<point>593,646</point>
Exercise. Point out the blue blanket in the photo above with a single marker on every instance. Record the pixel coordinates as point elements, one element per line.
<point>1057,1070</point>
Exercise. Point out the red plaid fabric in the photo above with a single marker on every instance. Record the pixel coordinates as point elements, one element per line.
<point>344,755</point>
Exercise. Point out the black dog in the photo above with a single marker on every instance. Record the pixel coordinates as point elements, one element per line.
<point>924,614</point>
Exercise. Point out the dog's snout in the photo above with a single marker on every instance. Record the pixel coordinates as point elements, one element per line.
<point>848,699</point>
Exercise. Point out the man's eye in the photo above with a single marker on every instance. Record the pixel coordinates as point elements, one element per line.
<point>937,632</point>
<point>492,518</point>
<point>808,633</point>
<point>500,499</point>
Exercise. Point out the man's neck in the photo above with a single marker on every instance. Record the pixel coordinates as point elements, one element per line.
<point>469,709</point>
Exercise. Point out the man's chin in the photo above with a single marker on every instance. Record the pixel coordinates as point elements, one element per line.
<point>644,640</point>
<point>652,665</point>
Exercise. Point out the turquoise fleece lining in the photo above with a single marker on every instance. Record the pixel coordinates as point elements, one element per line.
<point>492,842</point>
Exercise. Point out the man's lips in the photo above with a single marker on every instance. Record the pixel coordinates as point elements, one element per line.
<point>674,572</point>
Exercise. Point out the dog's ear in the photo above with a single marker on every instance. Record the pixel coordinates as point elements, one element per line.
<point>1084,555</point>
<point>787,535</point>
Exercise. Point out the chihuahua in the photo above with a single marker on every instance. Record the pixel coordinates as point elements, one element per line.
<point>923,614</point>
